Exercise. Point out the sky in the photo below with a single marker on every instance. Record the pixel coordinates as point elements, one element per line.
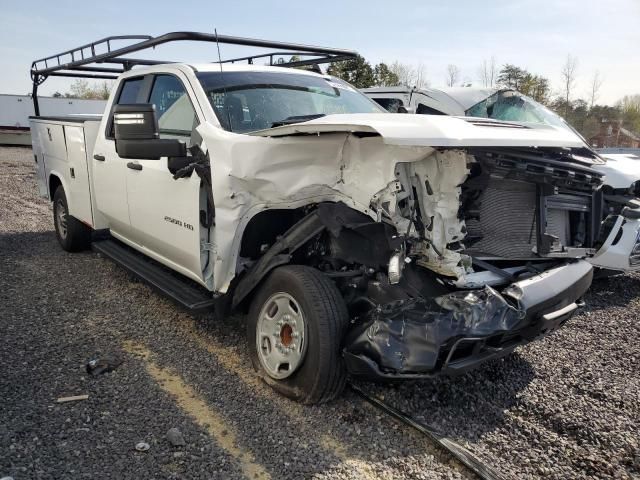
<point>533,34</point>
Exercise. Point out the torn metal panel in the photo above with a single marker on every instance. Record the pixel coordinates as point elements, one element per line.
<point>252,174</point>
<point>436,183</point>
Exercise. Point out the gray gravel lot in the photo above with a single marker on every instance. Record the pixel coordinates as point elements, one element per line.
<point>565,407</point>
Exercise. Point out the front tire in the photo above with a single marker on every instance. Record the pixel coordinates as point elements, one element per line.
<point>72,234</point>
<point>295,328</point>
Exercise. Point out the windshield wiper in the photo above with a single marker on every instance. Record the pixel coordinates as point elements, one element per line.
<point>297,119</point>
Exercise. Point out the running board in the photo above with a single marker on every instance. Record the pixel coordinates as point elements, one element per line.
<point>182,291</point>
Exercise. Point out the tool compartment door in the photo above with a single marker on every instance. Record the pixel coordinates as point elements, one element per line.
<point>78,174</point>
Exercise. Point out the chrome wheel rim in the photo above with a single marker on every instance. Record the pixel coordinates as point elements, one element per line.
<point>281,335</point>
<point>61,219</point>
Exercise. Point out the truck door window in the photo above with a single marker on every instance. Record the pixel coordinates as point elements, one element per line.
<point>426,110</point>
<point>129,93</point>
<point>130,90</point>
<point>389,104</point>
<point>176,116</point>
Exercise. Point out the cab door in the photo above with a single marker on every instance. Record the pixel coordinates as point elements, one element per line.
<point>109,169</point>
<point>165,213</point>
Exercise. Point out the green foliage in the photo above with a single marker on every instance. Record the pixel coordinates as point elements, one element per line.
<point>384,77</point>
<point>510,76</point>
<point>630,111</point>
<point>534,86</point>
<point>357,71</point>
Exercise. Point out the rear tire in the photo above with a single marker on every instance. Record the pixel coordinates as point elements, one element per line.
<point>72,234</point>
<point>299,313</point>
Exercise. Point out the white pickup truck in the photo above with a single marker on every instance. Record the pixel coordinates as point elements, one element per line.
<point>358,241</point>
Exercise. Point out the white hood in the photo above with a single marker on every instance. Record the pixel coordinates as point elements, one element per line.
<point>621,170</point>
<point>434,131</point>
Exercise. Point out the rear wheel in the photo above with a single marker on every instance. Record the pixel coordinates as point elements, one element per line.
<point>295,327</point>
<point>72,234</point>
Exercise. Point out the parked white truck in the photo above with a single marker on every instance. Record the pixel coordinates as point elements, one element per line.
<point>347,233</point>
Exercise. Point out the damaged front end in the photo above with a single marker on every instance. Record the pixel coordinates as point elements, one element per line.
<point>489,254</point>
<point>448,250</point>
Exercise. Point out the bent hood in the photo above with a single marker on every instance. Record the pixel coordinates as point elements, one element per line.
<point>433,131</point>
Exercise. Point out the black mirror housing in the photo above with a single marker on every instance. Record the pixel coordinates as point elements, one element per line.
<point>137,134</point>
<point>135,122</point>
<point>151,149</point>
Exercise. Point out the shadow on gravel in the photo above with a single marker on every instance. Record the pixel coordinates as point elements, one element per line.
<point>464,407</point>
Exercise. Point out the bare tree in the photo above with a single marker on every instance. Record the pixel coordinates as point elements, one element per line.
<point>421,79</point>
<point>453,74</point>
<point>487,72</point>
<point>596,84</point>
<point>81,88</point>
<point>409,75</point>
<point>569,71</point>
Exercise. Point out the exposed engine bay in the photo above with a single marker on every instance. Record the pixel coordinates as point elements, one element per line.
<point>461,208</point>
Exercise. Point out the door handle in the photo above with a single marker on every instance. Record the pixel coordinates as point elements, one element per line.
<point>134,166</point>
<point>98,157</point>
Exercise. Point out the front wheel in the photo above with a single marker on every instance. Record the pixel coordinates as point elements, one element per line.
<point>72,234</point>
<point>295,327</point>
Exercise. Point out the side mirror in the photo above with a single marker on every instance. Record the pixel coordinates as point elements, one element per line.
<point>402,109</point>
<point>137,134</point>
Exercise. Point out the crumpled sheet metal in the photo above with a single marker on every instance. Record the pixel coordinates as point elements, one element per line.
<point>406,336</point>
<point>251,174</point>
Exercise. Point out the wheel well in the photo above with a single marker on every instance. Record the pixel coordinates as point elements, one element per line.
<point>54,183</point>
<point>264,229</point>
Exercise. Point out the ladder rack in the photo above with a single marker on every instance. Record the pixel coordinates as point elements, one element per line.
<point>88,61</point>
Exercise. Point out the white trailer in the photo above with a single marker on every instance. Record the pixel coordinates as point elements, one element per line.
<point>15,111</point>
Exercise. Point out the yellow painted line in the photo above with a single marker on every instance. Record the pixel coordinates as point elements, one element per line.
<point>231,361</point>
<point>188,399</point>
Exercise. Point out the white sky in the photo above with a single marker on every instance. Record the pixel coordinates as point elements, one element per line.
<point>536,35</point>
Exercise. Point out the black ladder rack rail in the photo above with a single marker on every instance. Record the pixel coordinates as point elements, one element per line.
<point>87,60</point>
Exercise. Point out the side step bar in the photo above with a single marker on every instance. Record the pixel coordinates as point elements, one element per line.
<point>182,291</point>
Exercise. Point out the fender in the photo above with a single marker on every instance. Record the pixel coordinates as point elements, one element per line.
<point>63,182</point>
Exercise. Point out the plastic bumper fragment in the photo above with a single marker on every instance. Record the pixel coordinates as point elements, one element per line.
<point>455,332</point>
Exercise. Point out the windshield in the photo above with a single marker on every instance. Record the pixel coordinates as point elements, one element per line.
<point>512,106</point>
<point>249,101</point>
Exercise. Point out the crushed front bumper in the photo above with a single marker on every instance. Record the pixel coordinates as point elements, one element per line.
<point>455,332</point>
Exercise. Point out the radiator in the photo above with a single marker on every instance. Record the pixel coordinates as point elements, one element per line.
<point>507,222</point>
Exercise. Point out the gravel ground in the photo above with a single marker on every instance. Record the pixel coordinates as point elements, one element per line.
<point>565,407</point>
